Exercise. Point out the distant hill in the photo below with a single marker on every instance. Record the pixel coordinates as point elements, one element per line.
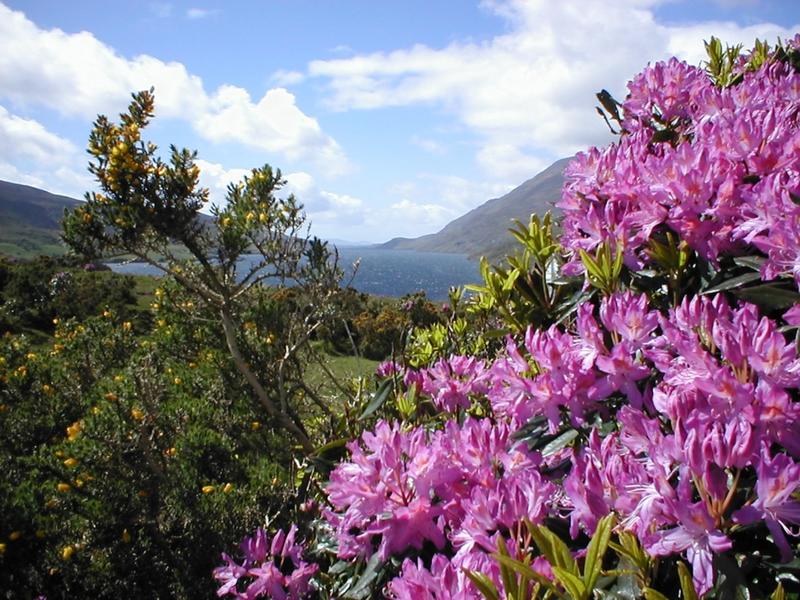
<point>484,230</point>
<point>30,220</point>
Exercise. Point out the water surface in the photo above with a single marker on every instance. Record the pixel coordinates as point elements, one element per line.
<point>381,272</point>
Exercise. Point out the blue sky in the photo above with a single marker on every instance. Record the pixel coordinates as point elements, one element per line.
<point>386,117</point>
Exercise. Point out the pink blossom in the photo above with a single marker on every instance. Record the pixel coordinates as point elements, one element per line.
<point>778,478</point>
<point>697,535</point>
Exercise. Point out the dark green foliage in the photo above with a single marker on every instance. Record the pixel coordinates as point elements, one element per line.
<point>137,427</point>
<point>135,451</point>
<point>35,292</point>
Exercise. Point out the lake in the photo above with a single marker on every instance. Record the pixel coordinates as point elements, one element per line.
<point>382,272</point>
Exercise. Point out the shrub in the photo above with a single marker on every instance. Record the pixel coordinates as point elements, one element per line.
<point>640,436</point>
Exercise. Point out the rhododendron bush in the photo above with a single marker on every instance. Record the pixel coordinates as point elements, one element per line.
<point>643,442</point>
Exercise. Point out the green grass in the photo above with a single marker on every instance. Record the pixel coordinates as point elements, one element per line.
<point>344,368</point>
<point>26,242</point>
<point>145,290</point>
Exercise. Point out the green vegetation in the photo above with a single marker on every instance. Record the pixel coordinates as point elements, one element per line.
<point>149,423</point>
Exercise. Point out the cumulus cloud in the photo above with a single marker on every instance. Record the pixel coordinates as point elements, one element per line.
<point>29,139</point>
<point>527,94</point>
<point>416,214</point>
<point>66,180</point>
<point>78,75</point>
<point>48,160</point>
<point>274,123</point>
<point>327,211</point>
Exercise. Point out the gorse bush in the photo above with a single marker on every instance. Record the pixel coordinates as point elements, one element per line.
<point>637,437</point>
<point>133,453</point>
<point>130,461</point>
<point>33,293</point>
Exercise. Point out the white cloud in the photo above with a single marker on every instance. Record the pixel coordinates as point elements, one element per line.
<point>507,161</point>
<point>65,180</point>
<point>26,138</point>
<point>431,146</point>
<point>9,172</point>
<point>282,78</point>
<point>216,178</point>
<point>418,214</point>
<point>70,181</point>
<point>341,49</point>
<point>78,75</point>
<point>326,211</point>
<point>274,124</point>
<point>458,194</point>
<point>32,155</point>
<point>430,202</point>
<point>527,94</point>
<point>201,13</point>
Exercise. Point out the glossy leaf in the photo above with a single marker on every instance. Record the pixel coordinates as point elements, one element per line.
<point>378,399</point>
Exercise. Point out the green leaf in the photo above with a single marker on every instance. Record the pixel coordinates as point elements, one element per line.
<point>378,399</point>
<point>733,282</point>
<point>630,548</point>
<point>591,265</point>
<point>752,262</point>
<point>506,573</point>
<point>651,594</point>
<point>331,448</point>
<point>484,584</point>
<point>526,571</point>
<point>596,551</point>
<point>618,262</point>
<point>562,441</point>
<point>407,403</point>
<point>553,548</point>
<point>687,586</point>
<point>769,296</point>
<point>362,588</point>
<point>572,583</point>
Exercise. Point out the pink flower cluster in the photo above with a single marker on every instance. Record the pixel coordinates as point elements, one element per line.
<point>718,166</point>
<point>273,569</point>
<point>705,396</point>
<point>685,422</point>
<point>404,489</point>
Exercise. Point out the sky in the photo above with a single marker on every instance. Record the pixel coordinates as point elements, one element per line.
<point>386,117</point>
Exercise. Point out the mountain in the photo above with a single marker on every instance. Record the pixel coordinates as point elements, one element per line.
<point>30,220</point>
<point>483,231</point>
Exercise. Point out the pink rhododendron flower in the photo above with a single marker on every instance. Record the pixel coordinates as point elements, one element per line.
<point>778,478</point>
<point>273,569</point>
<point>452,382</point>
<point>698,536</point>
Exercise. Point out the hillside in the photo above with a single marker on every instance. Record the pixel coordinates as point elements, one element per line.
<point>484,230</point>
<point>30,220</point>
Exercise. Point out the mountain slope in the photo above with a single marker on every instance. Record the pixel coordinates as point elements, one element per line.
<point>484,230</point>
<point>30,220</point>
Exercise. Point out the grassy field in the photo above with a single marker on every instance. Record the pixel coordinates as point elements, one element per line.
<point>29,242</point>
<point>343,368</point>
